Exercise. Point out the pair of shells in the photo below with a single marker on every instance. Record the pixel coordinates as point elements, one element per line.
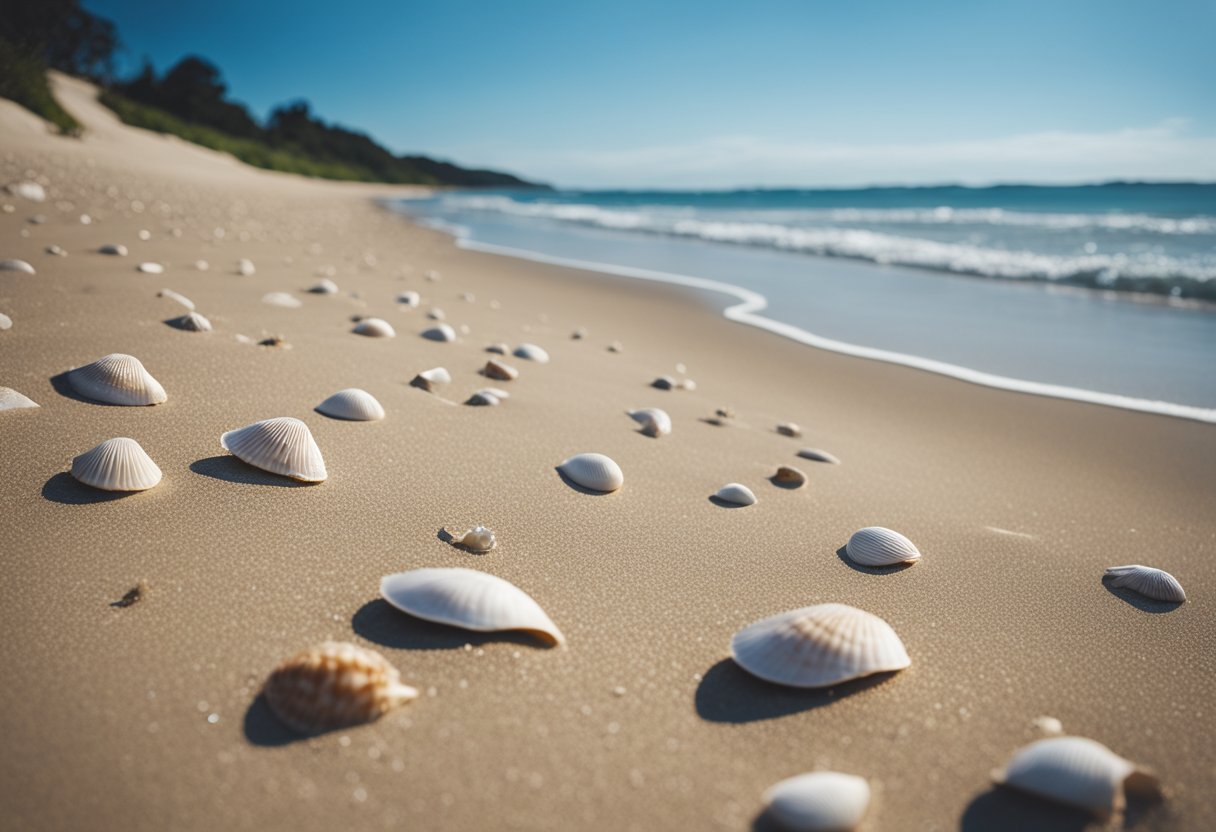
<point>375,328</point>
<point>429,380</point>
<point>876,546</point>
<point>499,371</point>
<point>281,446</point>
<point>442,332</point>
<point>654,422</point>
<point>117,379</point>
<point>487,397</point>
<point>10,399</point>
<point>468,599</point>
<point>477,539</point>
<point>117,465</point>
<point>334,685</point>
<point>352,404</point>
<point>1149,582</point>
<point>16,266</point>
<point>821,801</point>
<point>736,494</point>
<point>819,646</point>
<point>593,471</point>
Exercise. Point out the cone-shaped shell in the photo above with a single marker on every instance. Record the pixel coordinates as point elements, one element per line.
<point>1076,771</point>
<point>281,446</point>
<point>654,422</point>
<point>736,494</point>
<point>822,801</point>
<point>113,249</point>
<point>818,455</point>
<point>876,546</point>
<point>375,328</point>
<point>531,352</point>
<point>469,599</point>
<point>116,465</point>
<point>594,471</point>
<point>476,539</point>
<point>818,646</point>
<point>499,371</point>
<point>177,297</point>
<point>430,379</point>
<point>16,266</point>
<point>324,286</point>
<point>117,379</point>
<point>353,404</point>
<point>441,332</point>
<point>151,268</point>
<point>192,322</point>
<point>335,685</point>
<point>1149,582</point>
<point>10,399</point>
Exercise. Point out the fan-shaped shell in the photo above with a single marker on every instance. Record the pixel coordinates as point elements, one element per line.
<point>10,399</point>
<point>113,249</point>
<point>476,539</point>
<point>353,404</point>
<point>789,429</point>
<point>429,380</point>
<point>736,494</point>
<point>151,268</point>
<point>1149,582</point>
<point>818,455</point>
<point>469,599</point>
<point>410,299</point>
<point>1076,771</point>
<point>177,297</point>
<point>441,332</point>
<point>117,465</point>
<point>876,546</point>
<point>654,422</point>
<point>282,446</point>
<point>788,476</point>
<point>324,286</point>
<point>594,471</point>
<point>245,267</point>
<point>375,328</point>
<point>16,266</point>
<point>334,685</point>
<point>499,371</point>
<point>117,379</point>
<point>818,646</point>
<point>192,322</point>
<point>282,299</point>
<point>531,352</point>
<point>821,801</point>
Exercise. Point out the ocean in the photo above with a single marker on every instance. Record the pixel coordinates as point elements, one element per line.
<point>1104,293</point>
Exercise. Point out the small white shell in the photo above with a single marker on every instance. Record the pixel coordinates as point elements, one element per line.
<point>594,471</point>
<point>245,267</point>
<point>876,546</point>
<point>499,371</point>
<point>821,801</point>
<point>789,429</point>
<point>476,539</point>
<point>151,268</point>
<point>10,399</point>
<point>736,494</point>
<point>818,646</point>
<point>115,249</point>
<point>531,352</point>
<point>410,299</point>
<point>1149,582</point>
<point>430,379</point>
<point>282,446</point>
<point>117,465</point>
<point>442,332</point>
<point>654,422</point>
<point>5,322</point>
<point>202,265</point>
<point>324,286</point>
<point>27,190</point>
<point>176,297</point>
<point>282,299</point>
<point>353,404</point>
<point>16,266</point>
<point>435,314</point>
<point>375,328</point>
<point>818,455</point>
<point>1076,771</point>
<point>192,322</point>
<point>469,599</point>
<point>117,379</point>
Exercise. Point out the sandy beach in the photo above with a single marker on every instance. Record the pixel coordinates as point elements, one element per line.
<point>146,717</point>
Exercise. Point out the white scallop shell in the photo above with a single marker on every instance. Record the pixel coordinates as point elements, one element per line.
<point>435,314</point>
<point>430,379</point>
<point>176,297</point>
<point>10,399</point>
<point>282,299</point>
<point>282,446</point>
<point>1076,771</point>
<point>245,267</point>
<point>531,352</point>
<point>116,465</point>
<point>818,646</point>
<point>818,455</point>
<point>476,539</point>
<point>27,190</point>
<point>737,494</point>
<point>410,299</point>
<point>654,422</point>
<point>115,249</point>
<point>375,328</point>
<point>192,322</point>
<point>324,286</point>
<point>789,429</point>
<point>1149,582</point>
<point>876,546</point>
<point>151,268</point>
<point>821,801</point>
<point>353,404</point>
<point>16,266</point>
<point>442,332</point>
<point>499,371</point>
<point>469,599</point>
<point>117,379</point>
<point>594,471</point>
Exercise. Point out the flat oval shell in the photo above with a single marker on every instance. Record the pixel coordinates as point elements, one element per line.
<point>876,546</point>
<point>324,286</point>
<point>440,332</point>
<point>818,455</point>
<point>117,379</point>
<point>352,404</point>
<point>821,801</point>
<point>654,422</point>
<point>1075,771</point>
<point>1149,582</point>
<point>113,249</point>
<point>531,352</point>
<point>176,297</point>
<point>16,266</point>
<point>282,300</point>
<point>499,371</point>
<point>10,399</point>
<point>736,494</point>
<point>151,268</point>
<point>192,322</point>
<point>594,471</point>
<point>117,465</point>
<point>245,267</point>
<point>375,328</point>
<point>281,446</point>
<point>27,190</point>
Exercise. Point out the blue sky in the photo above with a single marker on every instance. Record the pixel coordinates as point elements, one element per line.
<point>722,94</point>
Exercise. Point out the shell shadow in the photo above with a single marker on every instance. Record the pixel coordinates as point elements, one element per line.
<point>1140,602</point>
<point>843,554</point>
<point>66,489</point>
<point>262,727</point>
<point>230,469</point>
<point>64,388</point>
<point>720,503</point>
<point>579,488</point>
<point>765,822</point>
<point>380,622</point>
<point>1004,810</point>
<point>728,693</point>
<point>446,537</point>
<point>176,322</point>
<point>786,486</point>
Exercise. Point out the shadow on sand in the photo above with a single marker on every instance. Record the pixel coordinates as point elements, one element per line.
<point>580,489</point>
<point>230,469</point>
<point>728,693</point>
<point>64,488</point>
<point>380,622</point>
<point>262,727</point>
<point>843,554</point>
<point>1137,600</point>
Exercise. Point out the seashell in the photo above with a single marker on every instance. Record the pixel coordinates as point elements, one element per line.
<point>324,286</point>
<point>818,646</point>
<point>483,398</point>
<point>501,395</point>
<point>5,322</point>
<point>38,219</point>
<point>1079,772</point>
<point>117,379</point>
<point>410,299</point>
<point>10,399</point>
<point>1149,582</point>
<point>58,251</point>
<point>821,801</point>
<point>282,299</point>
<point>115,249</point>
<point>27,190</point>
<point>281,446</point>
<point>736,494</point>
<point>433,276</point>
<point>654,422</point>
<point>245,267</point>
<point>442,332</point>
<point>789,429</point>
<point>145,234</point>
<point>818,456</point>
<point>176,297</point>
<point>497,349</point>
<point>476,539</point>
<point>352,404</point>
<point>469,599</point>
<point>335,685</point>
<point>428,380</point>
<point>615,346</point>
<point>788,476</point>
<point>192,322</point>
<point>876,546</point>
<point>594,471</point>
<point>16,266</point>
<point>665,383</point>
<point>688,384</point>
<point>375,328</point>
<point>202,265</point>
<point>578,334</point>
<point>531,352</point>
<point>435,314</point>
<point>150,268</point>
<point>1047,725</point>
<point>468,297</point>
<point>85,219</point>
<point>499,371</point>
<point>116,465</point>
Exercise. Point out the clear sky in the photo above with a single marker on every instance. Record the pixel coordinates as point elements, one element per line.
<point>701,93</point>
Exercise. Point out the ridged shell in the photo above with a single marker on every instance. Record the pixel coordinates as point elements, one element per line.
<point>375,328</point>
<point>117,465</point>
<point>818,646</point>
<point>16,266</point>
<point>469,599</point>
<point>737,494</point>
<point>1076,771</point>
<point>594,471</point>
<point>283,300</point>
<point>335,685</point>
<point>430,379</point>
<point>789,429</point>
<point>10,399</point>
<point>531,352</point>
<point>117,379</point>
<point>281,446</point>
<point>788,476</point>
<point>410,299</point>
<point>499,371</point>
<point>442,332</point>
<point>177,297</point>
<point>353,404</point>
<point>654,422</point>
<point>876,546</point>
<point>818,455</point>
<point>821,801</point>
<point>151,268</point>
<point>113,249</point>
<point>1149,582</point>
<point>245,267</point>
<point>192,322</point>
<point>476,539</point>
<point>324,286</point>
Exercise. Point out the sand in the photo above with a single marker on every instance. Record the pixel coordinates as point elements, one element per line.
<point>146,716</point>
